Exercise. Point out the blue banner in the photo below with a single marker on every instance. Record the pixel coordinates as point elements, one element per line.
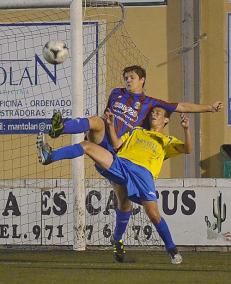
<point>24,126</point>
<point>229,69</point>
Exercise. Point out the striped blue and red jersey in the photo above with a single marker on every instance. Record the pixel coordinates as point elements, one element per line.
<point>131,110</point>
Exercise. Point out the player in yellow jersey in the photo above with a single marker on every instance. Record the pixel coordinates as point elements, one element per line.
<point>131,106</point>
<point>135,166</point>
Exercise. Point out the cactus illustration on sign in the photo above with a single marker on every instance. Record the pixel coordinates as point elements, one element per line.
<point>220,212</point>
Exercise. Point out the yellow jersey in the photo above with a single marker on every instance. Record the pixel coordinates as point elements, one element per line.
<point>148,148</point>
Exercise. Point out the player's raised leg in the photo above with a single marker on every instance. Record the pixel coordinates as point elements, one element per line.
<point>94,124</point>
<point>46,155</point>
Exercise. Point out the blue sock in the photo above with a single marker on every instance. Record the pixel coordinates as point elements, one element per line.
<point>163,231</point>
<point>77,125</point>
<point>122,219</point>
<point>68,152</point>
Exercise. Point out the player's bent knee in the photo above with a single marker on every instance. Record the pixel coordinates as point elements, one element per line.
<point>96,123</point>
<point>97,129</point>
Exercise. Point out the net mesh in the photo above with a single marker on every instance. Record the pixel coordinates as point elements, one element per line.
<point>37,201</point>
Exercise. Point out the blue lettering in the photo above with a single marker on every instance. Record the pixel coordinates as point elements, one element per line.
<point>28,76</point>
<point>52,76</point>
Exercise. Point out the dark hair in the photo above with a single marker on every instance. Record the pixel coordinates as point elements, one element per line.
<point>167,114</point>
<point>141,72</point>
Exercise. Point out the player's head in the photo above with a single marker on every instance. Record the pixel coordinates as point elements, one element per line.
<point>134,78</point>
<point>159,118</point>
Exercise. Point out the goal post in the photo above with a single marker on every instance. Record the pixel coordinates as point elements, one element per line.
<point>79,240</point>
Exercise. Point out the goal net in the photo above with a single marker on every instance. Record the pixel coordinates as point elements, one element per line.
<point>37,201</point>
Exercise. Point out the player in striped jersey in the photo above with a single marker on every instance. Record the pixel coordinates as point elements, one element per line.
<point>130,107</point>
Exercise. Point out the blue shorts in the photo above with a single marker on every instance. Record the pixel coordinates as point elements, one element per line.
<point>138,180</point>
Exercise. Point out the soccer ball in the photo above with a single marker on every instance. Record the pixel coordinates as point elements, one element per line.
<point>55,52</point>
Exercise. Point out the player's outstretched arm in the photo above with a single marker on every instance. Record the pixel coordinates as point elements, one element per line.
<point>115,140</point>
<point>191,107</point>
<point>187,146</point>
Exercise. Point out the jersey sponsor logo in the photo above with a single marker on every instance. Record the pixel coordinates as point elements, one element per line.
<point>146,144</point>
<point>128,112</point>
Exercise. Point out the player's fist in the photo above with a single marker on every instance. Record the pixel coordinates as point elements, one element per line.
<point>184,120</point>
<point>217,106</point>
<point>109,117</point>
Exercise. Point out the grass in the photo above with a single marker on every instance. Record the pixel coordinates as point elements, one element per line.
<point>141,267</point>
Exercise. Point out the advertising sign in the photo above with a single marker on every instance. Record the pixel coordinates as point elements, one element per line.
<point>32,89</point>
<point>195,215</point>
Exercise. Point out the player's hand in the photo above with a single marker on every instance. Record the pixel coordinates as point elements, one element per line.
<point>184,120</point>
<point>217,106</point>
<point>109,117</point>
